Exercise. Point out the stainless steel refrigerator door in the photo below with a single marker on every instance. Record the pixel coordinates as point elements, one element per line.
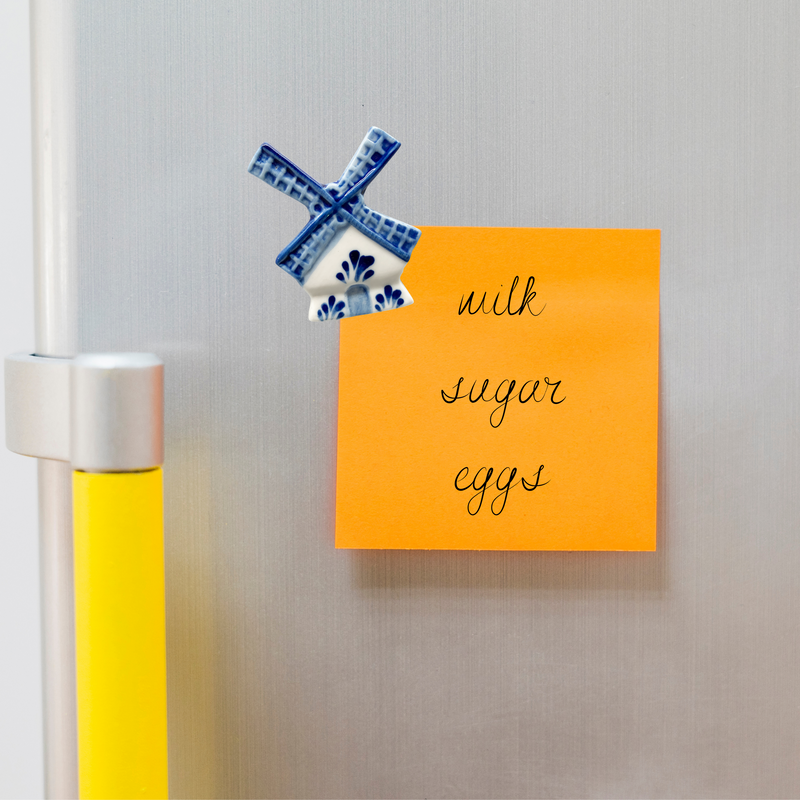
<point>299,671</point>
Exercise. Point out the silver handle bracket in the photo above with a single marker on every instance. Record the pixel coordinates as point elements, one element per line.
<point>102,412</point>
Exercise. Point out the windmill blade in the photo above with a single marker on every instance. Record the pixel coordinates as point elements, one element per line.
<point>372,155</point>
<point>276,170</point>
<point>397,237</point>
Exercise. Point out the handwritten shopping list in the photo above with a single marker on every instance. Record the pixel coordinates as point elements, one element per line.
<point>514,406</point>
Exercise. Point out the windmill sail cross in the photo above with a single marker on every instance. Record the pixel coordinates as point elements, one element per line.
<point>341,232</point>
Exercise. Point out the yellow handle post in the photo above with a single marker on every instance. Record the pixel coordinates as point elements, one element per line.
<point>120,634</point>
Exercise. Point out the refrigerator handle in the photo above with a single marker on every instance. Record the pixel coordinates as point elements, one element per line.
<point>104,414</point>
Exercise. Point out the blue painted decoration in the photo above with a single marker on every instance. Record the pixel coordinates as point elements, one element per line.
<point>344,244</point>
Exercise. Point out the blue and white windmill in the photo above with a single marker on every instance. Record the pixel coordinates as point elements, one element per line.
<point>348,257</point>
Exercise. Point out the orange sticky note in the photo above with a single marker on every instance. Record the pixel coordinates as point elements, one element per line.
<point>514,406</point>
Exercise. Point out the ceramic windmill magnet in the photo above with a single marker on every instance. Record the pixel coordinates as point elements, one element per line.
<point>348,257</point>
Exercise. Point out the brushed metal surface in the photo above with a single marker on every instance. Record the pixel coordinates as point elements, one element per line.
<point>299,671</point>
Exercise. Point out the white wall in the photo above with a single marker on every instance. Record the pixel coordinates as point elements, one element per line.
<point>20,672</point>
